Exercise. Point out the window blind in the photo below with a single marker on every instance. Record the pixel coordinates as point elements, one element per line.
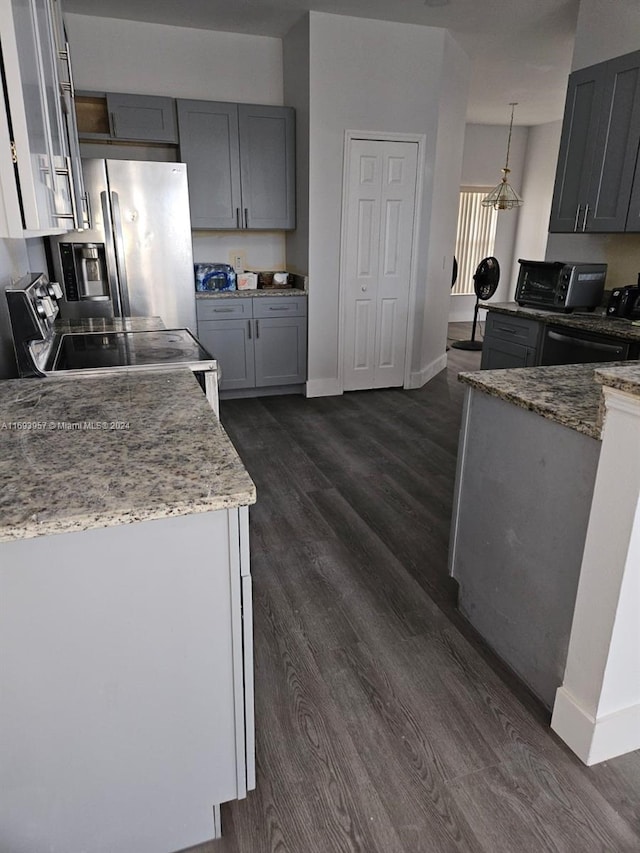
<point>475,237</point>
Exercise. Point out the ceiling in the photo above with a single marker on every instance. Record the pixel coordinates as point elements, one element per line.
<point>520,49</point>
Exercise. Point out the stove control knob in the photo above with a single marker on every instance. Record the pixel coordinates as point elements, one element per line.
<point>49,308</point>
<point>55,291</point>
<point>40,308</point>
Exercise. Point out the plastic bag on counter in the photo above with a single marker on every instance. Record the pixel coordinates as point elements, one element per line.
<point>214,277</point>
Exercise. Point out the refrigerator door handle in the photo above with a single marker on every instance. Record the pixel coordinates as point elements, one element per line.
<point>112,265</point>
<point>118,241</point>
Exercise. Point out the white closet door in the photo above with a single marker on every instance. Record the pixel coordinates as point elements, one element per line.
<point>380,216</point>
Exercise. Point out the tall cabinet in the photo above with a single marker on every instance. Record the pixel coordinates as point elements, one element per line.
<point>599,150</point>
<point>241,164</point>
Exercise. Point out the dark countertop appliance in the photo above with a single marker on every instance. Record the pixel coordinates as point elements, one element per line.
<point>560,285</point>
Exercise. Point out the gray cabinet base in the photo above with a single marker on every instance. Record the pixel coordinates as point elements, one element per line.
<point>273,391</point>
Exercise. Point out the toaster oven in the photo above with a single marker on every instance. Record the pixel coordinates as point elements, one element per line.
<point>560,285</point>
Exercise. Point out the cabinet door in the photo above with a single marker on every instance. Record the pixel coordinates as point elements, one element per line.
<point>497,354</point>
<point>577,148</point>
<point>281,351</point>
<point>60,177</point>
<point>209,146</point>
<point>231,343</point>
<point>142,117</point>
<point>29,121</point>
<point>616,147</point>
<point>267,166</point>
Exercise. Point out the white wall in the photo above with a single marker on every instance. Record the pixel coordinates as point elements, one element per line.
<point>605,29</point>
<point>113,55</point>
<point>377,76</point>
<point>297,95</point>
<point>485,148</point>
<point>541,156</point>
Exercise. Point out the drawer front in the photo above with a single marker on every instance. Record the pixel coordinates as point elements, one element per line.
<point>223,309</point>
<point>516,329</point>
<point>279,306</point>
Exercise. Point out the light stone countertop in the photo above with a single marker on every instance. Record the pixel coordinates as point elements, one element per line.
<point>625,377</point>
<point>235,294</point>
<point>567,394</point>
<point>171,457</point>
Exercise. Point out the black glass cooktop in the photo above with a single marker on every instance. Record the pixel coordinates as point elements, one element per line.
<point>97,350</point>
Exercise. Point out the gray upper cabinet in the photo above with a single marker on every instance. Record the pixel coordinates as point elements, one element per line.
<point>267,166</point>
<point>241,164</point>
<point>142,117</point>
<point>209,146</point>
<point>599,148</point>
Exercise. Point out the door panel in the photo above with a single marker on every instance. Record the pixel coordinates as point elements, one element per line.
<point>386,335</point>
<point>280,351</point>
<point>363,329</point>
<point>231,343</point>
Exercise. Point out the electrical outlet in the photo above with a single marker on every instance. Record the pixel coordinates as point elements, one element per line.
<point>238,260</point>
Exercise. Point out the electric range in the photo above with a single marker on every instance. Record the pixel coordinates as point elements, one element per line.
<point>41,351</point>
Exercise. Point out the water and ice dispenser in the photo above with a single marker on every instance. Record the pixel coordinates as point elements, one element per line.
<point>84,271</point>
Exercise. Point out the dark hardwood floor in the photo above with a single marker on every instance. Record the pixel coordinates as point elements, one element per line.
<point>384,725</point>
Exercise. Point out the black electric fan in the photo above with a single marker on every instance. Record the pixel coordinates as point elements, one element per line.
<point>485,283</point>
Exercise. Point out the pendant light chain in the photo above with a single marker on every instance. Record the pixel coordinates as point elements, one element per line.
<point>513,106</point>
<point>504,197</point>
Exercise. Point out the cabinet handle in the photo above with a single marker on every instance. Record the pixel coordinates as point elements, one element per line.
<point>113,124</point>
<point>66,55</point>
<point>257,328</point>
<point>246,217</point>
<point>575,224</point>
<point>237,217</point>
<point>74,208</point>
<point>278,308</point>
<point>586,213</point>
<point>87,201</point>
<point>222,310</point>
<point>249,328</point>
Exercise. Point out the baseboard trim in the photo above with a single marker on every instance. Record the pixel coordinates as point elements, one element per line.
<point>420,377</point>
<point>595,740</point>
<point>323,388</point>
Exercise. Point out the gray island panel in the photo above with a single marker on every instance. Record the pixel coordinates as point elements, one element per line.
<point>523,495</point>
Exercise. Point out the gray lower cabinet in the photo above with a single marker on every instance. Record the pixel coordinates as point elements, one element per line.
<point>241,164</point>
<point>510,342</point>
<point>140,644</point>
<point>259,342</point>
<point>280,351</point>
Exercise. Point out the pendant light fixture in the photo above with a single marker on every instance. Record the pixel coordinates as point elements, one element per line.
<point>504,197</point>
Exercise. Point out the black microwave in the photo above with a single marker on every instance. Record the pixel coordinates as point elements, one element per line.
<point>560,285</point>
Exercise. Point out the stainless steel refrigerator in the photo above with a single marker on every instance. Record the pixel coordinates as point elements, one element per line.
<point>136,258</point>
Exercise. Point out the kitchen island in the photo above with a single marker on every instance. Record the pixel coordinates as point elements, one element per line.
<point>527,462</point>
<point>125,628</point>
<point>545,537</point>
